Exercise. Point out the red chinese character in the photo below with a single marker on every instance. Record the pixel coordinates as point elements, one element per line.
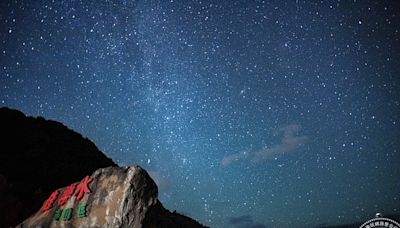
<point>68,192</point>
<point>49,202</point>
<point>83,188</point>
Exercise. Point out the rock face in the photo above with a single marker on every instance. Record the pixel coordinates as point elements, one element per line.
<point>36,157</point>
<point>111,197</point>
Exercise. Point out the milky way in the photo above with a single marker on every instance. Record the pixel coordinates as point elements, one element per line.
<point>247,113</point>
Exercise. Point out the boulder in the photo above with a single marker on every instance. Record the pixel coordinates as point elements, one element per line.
<point>115,197</point>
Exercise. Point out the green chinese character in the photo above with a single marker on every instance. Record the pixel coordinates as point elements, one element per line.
<point>82,210</point>
<point>67,214</point>
<point>57,214</point>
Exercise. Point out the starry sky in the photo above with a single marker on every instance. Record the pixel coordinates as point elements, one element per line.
<point>246,113</point>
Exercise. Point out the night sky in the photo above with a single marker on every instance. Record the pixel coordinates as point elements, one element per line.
<point>247,113</point>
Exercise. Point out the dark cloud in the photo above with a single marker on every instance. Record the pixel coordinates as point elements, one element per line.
<point>240,220</point>
<point>245,221</point>
<point>290,142</point>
